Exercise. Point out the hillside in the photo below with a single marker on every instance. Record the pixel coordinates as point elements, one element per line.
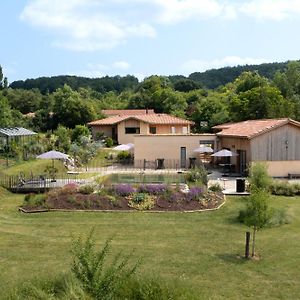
<point>102,85</point>
<point>213,78</point>
<point>210,79</point>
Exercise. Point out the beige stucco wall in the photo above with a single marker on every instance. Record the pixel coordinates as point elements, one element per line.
<point>235,144</point>
<point>129,138</point>
<point>151,147</point>
<point>106,129</point>
<point>167,129</point>
<point>282,168</point>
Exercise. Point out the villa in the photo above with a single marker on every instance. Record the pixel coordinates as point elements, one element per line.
<point>275,142</point>
<point>122,126</point>
<point>167,141</point>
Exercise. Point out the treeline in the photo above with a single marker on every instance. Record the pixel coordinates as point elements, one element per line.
<point>249,96</point>
<point>102,85</point>
<point>216,77</point>
<point>210,79</point>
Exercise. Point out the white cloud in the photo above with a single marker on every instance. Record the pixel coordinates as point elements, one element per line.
<point>122,65</point>
<point>277,10</point>
<point>90,25</point>
<point>195,65</point>
<point>173,11</point>
<point>85,25</point>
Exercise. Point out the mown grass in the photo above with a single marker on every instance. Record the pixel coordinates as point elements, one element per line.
<point>200,250</point>
<point>37,167</point>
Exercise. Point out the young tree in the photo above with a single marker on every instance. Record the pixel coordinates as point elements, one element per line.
<point>257,213</point>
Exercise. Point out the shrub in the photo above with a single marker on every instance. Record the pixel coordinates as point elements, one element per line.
<point>86,189</point>
<point>197,175</point>
<point>112,199</point>
<point>259,178</point>
<point>139,197</point>
<point>153,188</point>
<point>123,189</point>
<point>35,200</point>
<point>123,155</point>
<point>216,187</point>
<point>99,279</point>
<point>146,203</point>
<point>109,142</point>
<point>283,188</point>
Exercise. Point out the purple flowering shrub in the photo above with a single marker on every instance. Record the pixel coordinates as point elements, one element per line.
<point>123,189</point>
<point>153,189</point>
<point>194,193</point>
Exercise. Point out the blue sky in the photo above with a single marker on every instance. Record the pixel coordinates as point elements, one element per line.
<point>95,38</point>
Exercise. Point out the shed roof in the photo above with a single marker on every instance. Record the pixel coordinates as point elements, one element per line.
<point>147,118</point>
<point>16,131</point>
<point>252,128</point>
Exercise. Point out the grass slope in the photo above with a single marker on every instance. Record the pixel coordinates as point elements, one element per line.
<point>199,249</point>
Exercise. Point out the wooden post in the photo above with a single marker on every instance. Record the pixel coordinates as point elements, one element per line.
<point>247,246</point>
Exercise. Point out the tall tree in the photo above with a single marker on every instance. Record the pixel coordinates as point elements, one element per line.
<point>6,117</point>
<point>70,110</point>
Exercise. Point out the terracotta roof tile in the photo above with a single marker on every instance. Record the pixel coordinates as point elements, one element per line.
<point>127,112</point>
<point>109,121</point>
<point>147,118</point>
<point>162,119</point>
<point>251,128</point>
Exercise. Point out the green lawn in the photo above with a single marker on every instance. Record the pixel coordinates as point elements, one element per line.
<point>199,249</point>
<point>37,167</point>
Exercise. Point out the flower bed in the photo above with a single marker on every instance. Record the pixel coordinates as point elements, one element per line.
<point>146,197</point>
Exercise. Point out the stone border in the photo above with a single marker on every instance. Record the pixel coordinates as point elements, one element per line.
<point>122,211</point>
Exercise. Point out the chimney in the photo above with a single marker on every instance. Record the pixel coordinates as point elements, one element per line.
<point>147,111</point>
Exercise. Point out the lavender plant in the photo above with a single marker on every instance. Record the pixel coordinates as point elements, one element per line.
<point>194,193</point>
<point>124,189</point>
<point>154,189</point>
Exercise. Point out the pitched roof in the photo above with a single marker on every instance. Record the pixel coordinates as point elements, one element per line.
<point>16,131</point>
<point>147,118</point>
<point>252,128</point>
<point>127,112</point>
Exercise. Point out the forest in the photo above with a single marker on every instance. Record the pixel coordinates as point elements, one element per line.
<point>209,98</point>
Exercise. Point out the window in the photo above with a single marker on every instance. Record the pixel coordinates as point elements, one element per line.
<point>153,130</point>
<point>184,130</point>
<point>173,130</point>
<point>132,130</point>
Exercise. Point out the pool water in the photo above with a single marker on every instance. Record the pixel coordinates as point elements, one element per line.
<point>147,178</point>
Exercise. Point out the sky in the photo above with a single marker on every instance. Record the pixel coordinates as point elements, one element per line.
<point>94,38</point>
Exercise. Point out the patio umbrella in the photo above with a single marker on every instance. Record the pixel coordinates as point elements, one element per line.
<point>224,153</point>
<point>53,155</point>
<point>204,149</point>
<point>124,147</point>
